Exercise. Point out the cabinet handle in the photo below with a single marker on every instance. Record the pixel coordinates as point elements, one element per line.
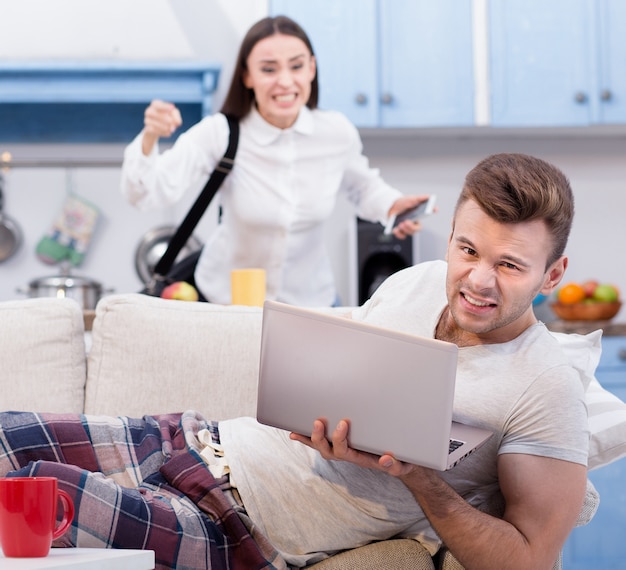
<point>621,354</point>
<point>386,99</point>
<point>361,99</point>
<point>606,95</point>
<point>580,97</point>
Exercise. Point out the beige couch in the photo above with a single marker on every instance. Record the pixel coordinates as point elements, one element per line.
<point>149,356</point>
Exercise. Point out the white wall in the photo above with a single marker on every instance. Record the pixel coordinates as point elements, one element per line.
<point>414,161</point>
<point>118,29</point>
<point>91,29</point>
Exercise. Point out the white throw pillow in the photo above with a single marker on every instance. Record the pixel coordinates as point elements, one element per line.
<point>42,351</point>
<point>155,356</point>
<point>607,422</point>
<point>607,413</point>
<point>583,351</point>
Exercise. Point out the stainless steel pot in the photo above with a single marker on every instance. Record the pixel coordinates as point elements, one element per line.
<point>10,232</point>
<point>153,245</point>
<point>85,291</point>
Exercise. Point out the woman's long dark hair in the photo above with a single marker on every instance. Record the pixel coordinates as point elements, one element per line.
<point>239,99</point>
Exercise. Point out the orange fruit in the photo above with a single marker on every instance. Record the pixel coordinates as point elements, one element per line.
<point>571,293</point>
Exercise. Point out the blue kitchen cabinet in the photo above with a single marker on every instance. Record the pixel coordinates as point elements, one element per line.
<point>58,101</point>
<point>390,63</point>
<point>557,63</point>
<point>611,88</point>
<point>344,42</point>
<point>600,545</point>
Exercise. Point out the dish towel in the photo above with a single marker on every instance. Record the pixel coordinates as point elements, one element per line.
<point>70,234</point>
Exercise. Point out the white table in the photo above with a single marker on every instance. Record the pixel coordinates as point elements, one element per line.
<point>84,559</point>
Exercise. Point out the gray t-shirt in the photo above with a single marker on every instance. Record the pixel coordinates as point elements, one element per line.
<point>525,391</point>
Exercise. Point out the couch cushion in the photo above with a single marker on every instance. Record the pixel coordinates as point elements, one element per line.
<point>607,413</point>
<point>42,351</point>
<point>583,352</point>
<point>607,423</point>
<point>151,355</point>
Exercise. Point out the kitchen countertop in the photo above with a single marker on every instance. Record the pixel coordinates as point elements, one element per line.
<point>88,317</point>
<point>609,328</point>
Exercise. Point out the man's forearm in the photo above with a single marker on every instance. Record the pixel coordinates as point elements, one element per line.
<point>478,540</point>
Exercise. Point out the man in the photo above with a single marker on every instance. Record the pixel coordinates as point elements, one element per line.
<point>509,232</point>
<point>311,497</point>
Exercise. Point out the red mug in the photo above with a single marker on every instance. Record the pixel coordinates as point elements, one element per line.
<point>28,512</point>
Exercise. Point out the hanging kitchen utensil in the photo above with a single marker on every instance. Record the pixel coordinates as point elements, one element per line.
<point>10,232</point>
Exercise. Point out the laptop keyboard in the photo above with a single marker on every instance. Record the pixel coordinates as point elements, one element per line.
<point>454,445</point>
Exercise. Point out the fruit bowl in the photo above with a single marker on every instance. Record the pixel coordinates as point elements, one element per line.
<point>596,311</point>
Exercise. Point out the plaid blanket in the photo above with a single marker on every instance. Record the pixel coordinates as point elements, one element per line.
<point>136,483</point>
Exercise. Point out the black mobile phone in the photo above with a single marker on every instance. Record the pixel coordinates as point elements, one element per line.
<point>423,209</point>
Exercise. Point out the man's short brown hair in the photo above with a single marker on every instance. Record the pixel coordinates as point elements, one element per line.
<point>512,188</point>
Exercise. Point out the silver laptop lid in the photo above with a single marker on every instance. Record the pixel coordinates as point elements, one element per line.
<point>397,389</point>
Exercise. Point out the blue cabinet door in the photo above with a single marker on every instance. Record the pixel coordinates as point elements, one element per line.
<point>426,63</point>
<point>557,63</point>
<point>541,62</point>
<point>391,63</point>
<point>600,545</point>
<point>612,78</point>
<point>345,42</point>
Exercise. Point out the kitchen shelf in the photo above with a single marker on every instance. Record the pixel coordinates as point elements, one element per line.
<point>609,328</point>
<point>96,101</point>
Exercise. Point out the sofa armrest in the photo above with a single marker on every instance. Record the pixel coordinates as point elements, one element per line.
<point>401,553</point>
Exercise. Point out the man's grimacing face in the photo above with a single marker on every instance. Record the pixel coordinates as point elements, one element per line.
<point>495,271</point>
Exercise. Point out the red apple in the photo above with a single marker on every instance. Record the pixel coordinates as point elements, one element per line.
<point>180,291</point>
<point>590,286</point>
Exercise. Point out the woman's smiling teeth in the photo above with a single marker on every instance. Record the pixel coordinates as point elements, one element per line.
<point>285,98</point>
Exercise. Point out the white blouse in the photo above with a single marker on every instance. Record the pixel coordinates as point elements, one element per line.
<point>275,201</point>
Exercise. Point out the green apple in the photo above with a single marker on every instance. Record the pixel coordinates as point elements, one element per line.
<point>180,291</point>
<point>605,293</point>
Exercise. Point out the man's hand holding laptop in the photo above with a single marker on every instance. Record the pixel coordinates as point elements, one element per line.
<point>338,448</point>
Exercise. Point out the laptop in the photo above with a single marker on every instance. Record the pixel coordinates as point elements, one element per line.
<point>396,389</point>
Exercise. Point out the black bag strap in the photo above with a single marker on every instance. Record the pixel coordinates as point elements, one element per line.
<point>180,237</point>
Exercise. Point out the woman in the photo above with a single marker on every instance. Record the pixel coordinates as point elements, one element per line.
<point>291,162</point>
